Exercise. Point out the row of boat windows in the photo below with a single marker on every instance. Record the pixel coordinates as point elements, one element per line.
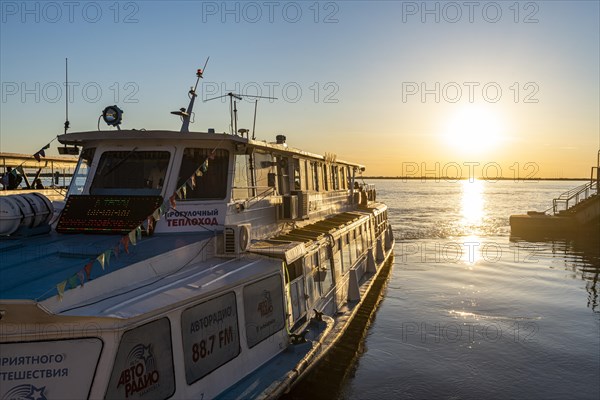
<point>258,172</point>
<point>316,274</point>
<point>210,336</point>
<point>204,173</point>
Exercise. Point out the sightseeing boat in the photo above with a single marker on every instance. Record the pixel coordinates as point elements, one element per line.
<point>184,265</point>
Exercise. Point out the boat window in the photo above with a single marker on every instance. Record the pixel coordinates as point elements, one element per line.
<point>283,175</point>
<point>325,181</point>
<point>306,175</point>
<point>359,242</point>
<point>315,174</point>
<point>242,181</point>
<point>209,170</point>
<point>81,172</point>
<point>327,281</point>
<point>130,172</point>
<point>311,285</point>
<point>263,166</point>
<point>343,178</point>
<point>297,175</point>
<point>210,336</point>
<point>143,367</point>
<point>294,271</point>
<point>263,309</point>
<point>334,177</point>
<point>348,249</point>
<point>317,275</point>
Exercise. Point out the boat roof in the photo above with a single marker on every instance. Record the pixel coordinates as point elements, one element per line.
<point>151,295</point>
<point>81,138</point>
<point>29,161</point>
<point>31,267</point>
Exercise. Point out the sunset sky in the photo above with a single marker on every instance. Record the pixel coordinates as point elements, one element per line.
<point>393,85</point>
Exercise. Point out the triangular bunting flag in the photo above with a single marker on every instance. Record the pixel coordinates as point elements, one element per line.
<point>138,233</point>
<point>107,254</point>
<point>46,147</point>
<point>192,181</point>
<point>81,276</point>
<point>37,156</point>
<point>156,214</point>
<point>60,288</point>
<point>42,153</point>
<point>212,155</point>
<point>125,241</point>
<point>204,166</point>
<point>172,201</point>
<point>88,269</point>
<point>132,237</point>
<point>150,224</point>
<point>116,250</point>
<point>100,259</point>
<point>73,281</point>
<point>183,192</point>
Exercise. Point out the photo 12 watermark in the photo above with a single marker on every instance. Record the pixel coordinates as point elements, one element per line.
<point>472,170</point>
<point>472,92</point>
<point>253,12</point>
<point>289,92</point>
<point>455,332</point>
<point>53,12</point>
<point>453,12</point>
<point>53,92</point>
<point>467,251</point>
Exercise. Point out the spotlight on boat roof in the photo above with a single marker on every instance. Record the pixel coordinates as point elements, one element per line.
<point>112,115</point>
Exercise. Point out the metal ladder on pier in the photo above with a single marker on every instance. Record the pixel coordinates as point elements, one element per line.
<point>567,201</point>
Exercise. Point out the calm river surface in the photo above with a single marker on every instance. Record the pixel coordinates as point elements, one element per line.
<point>469,313</point>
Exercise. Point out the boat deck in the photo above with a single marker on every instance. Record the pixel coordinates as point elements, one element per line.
<point>273,373</point>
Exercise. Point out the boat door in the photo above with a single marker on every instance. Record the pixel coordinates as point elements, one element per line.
<point>296,291</point>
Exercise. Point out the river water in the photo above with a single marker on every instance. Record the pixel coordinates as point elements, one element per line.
<point>469,312</point>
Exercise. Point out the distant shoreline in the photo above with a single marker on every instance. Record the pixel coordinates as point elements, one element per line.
<point>453,178</point>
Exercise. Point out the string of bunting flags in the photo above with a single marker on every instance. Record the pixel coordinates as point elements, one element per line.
<point>133,237</point>
<point>42,152</point>
<point>38,157</point>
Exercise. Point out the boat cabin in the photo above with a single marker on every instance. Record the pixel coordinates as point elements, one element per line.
<point>212,179</point>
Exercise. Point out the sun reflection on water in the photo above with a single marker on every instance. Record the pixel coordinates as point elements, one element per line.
<point>472,212</point>
<point>472,204</point>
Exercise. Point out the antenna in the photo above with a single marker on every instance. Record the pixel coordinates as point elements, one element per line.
<point>233,107</point>
<point>254,123</point>
<point>186,114</point>
<point>67,94</point>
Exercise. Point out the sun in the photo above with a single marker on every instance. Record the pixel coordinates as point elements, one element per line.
<point>473,130</point>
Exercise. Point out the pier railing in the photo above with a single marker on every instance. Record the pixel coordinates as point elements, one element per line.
<point>577,195</point>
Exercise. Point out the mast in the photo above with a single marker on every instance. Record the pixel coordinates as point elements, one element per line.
<point>67,95</point>
<point>186,114</point>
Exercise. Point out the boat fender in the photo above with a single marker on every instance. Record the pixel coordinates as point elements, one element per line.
<point>298,338</point>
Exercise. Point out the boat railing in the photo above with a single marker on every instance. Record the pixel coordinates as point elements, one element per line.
<point>261,192</point>
<point>577,195</point>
